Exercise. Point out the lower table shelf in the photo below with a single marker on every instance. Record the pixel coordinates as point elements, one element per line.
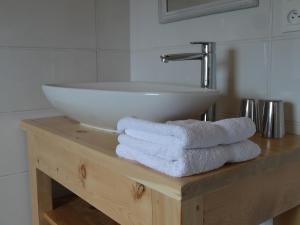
<point>77,212</point>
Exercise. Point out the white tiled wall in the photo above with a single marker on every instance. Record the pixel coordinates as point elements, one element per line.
<point>285,80</point>
<point>14,200</point>
<point>113,40</point>
<point>114,65</point>
<point>12,141</point>
<point>242,71</point>
<point>49,41</point>
<point>254,58</point>
<point>146,32</point>
<point>23,71</point>
<point>41,23</point>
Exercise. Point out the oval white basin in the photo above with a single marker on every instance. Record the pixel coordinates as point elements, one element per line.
<point>101,105</point>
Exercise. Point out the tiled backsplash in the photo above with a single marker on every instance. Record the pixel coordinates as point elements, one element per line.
<point>113,40</point>
<point>23,71</point>
<point>285,78</point>
<point>254,58</point>
<point>44,23</point>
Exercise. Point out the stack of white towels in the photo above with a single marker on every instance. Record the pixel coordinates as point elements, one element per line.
<point>187,147</point>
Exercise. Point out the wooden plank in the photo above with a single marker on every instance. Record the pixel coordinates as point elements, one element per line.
<point>117,196</point>
<point>254,199</point>
<point>41,188</point>
<point>101,146</point>
<point>166,211</point>
<point>192,211</point>
<point>275,153</point>
<point>77,212</point>
<point>291,217</point>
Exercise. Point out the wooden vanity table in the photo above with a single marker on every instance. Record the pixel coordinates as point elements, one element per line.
<point>84,161</point>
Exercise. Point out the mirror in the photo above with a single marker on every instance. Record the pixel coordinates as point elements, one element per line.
<point>175,10</point>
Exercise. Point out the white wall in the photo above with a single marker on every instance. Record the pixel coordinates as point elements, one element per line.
<point>113,42</point>
<point>48,41</point>
<point>255,59</point>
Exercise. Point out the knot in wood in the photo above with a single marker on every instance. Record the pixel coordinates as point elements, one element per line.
<point>82,171</point>
<point>138,191</point>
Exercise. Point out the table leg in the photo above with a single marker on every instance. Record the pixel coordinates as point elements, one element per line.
<point>168,211</point>
<point>41,189</point>
<point>291,217</point>
<point>192,211</point>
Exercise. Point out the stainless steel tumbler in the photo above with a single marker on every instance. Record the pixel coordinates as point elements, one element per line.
<point>249,109</point>
<point>272,121</point>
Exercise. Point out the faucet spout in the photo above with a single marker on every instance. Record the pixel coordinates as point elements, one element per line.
<point>181,57</point>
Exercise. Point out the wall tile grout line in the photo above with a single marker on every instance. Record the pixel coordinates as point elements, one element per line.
<point>220,43</point>
<point>96,36</point>
<point>24,111</point>
<point>129,47</point>
<point>13,174</point>
<point>270,50</point>
<point>114,50</point>
<point>45,48</point>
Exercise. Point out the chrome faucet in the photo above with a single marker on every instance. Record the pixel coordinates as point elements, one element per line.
<point>208,69</point>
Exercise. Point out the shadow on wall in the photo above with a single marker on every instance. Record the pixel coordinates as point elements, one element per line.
<point>230,101</point>
<point>289,111</point>
<point>290,117</point>
<point>232,75</point>
<point>229,104</point>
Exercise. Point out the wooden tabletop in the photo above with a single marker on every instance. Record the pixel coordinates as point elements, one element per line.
<point>101,146</point>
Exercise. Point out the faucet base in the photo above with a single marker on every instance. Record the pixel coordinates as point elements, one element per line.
<point>209,115</point>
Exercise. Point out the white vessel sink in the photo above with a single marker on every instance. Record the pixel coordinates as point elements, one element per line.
<point>101,105</point>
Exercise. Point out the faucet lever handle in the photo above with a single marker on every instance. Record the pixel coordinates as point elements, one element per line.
<point>207,47</point>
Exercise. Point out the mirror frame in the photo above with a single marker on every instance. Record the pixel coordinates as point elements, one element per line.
<point>202,10</point>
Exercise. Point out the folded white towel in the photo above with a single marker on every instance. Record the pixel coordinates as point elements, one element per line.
<point>189,133</point>
<point>194,161</point>
<point>165,152</point>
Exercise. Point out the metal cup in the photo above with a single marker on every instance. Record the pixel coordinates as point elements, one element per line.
<point>249,109</point>
<point>272,121</point>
